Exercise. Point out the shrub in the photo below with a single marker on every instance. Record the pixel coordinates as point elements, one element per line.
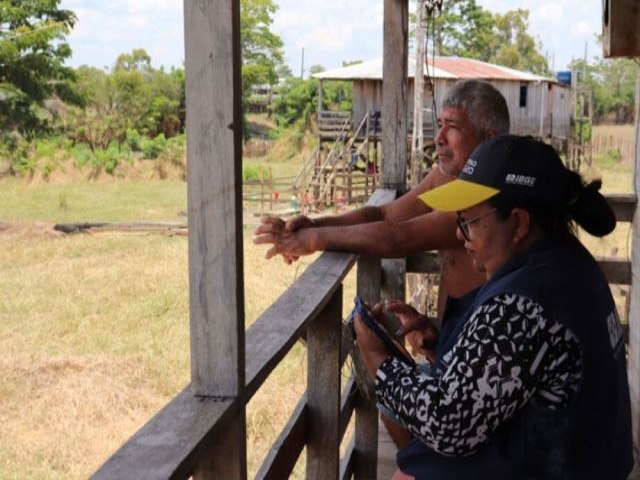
<point>134,140</point>
<point>253,172</point>
<point>152,148</point>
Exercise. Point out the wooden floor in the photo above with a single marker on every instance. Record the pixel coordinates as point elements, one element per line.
<point>386,454</point>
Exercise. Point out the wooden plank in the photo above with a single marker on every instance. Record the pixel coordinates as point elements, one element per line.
<point>214,193</point>
<point>274,333</point>
<point>214,152</point>
<point>348,402</point>
<point>284,453</point>
<point>617,270</point>
<point>424,262</point>
<point>169,445</point>
<point>623,205</point>
<point>634,292</point>
<point>394,98</point>
<point>323,391</point>
<point>220,459</point>
<point>347,465</point>
<point>369,284</point>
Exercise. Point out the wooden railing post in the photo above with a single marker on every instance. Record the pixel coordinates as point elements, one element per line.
<point>634,293</point>
<point>214,180</point>
<point>324,342</point>
<point>366,435</point>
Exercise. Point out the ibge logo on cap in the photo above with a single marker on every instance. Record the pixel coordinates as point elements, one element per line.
<point>470,166</point>
<point>524,180</point>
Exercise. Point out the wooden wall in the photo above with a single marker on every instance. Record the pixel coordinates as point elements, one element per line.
<point>547,112</point>
<point>634,295</point>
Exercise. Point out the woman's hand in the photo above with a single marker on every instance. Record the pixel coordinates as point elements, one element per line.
<point>373,350</point>
<point>420,333</point>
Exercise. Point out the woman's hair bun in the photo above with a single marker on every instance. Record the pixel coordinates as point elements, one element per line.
<point>590,209</point>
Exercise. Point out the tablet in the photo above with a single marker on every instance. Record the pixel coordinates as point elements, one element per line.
<point>394,347</point>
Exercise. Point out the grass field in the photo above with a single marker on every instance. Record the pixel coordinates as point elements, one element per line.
<point>94,334</point>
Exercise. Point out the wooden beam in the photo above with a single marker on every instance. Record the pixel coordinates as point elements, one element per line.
<point>214,193</point>
<point>394,95</point>
<point>323,391</point>
<point>634,294</point>
<point>172,442</point>
<point>623,205</point>
<point>214,152</point>
<point>284,452</point>
<point>347,466</point>
<point>274,333</point>
<point>617,270</point>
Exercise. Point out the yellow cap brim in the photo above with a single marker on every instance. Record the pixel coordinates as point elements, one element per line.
<point>457,195</point>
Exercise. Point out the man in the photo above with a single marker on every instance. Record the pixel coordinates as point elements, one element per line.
<point>472,111</point>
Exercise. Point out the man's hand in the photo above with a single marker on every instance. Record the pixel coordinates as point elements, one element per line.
<point>290,239</point>
<point>421,334</point>
<point>275,230</point>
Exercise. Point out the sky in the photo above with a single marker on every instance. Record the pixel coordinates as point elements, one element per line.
<point>314,32</point>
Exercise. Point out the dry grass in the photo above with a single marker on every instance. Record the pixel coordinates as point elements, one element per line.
<point>94,340</point>
<point>94,334</point>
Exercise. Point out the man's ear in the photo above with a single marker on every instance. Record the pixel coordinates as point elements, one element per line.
<point>522,223</point>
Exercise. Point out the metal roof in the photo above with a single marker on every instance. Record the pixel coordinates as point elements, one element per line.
<point>437,67</point>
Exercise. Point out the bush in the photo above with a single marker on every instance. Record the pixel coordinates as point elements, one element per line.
<point>609,158</point>
<point>253,173</point>
<point>152,148</point>
<point>134,140</point>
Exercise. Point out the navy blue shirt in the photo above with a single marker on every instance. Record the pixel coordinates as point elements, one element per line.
<point>529,381</point>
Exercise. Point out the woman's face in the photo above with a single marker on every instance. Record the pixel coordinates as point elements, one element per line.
<point>490,241</point>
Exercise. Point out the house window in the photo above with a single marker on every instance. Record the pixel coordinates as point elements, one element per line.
<point>523,95</point>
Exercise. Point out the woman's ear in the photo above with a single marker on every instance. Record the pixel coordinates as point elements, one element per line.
<point>522,222</point>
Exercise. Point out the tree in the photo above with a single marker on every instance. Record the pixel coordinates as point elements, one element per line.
<point>513,46</point>
<point>465,29</point>
<point>613,82</point>
<point>132,97</point>
<point>261,49</point>
<point>33,50</point>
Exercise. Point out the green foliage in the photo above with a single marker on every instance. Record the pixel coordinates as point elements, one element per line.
<point>608,159</point>
<point>613,84</point>
<point>134,140</point>
<point>152,148</point>
<point>466,29</point>
<point>106,159</point>
<point>132,97</point>
<point>33,50</point>
<point>296,100</point>
<point>262,56</point>
<point>254,173</point>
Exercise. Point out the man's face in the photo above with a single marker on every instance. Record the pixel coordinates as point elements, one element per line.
<point>455,141</point>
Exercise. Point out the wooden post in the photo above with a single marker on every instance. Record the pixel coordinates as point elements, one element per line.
<point>324,342</point>
<point>214,150</point>
<point>634,295</point>
<point>366,435</point>
<point>394,95</point>
<point>417,140</point>
<point>394,123</point>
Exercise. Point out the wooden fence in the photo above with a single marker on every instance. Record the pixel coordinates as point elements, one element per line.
<point>173,444</point>
<point>610,145</point>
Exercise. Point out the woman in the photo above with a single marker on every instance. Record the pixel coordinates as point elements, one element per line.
<point>529,381</point>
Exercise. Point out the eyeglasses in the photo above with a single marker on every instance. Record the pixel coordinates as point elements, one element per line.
<point>463,224</point>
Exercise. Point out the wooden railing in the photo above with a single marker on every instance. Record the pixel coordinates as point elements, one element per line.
<point>176,442</point>
<point>180,440</point>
